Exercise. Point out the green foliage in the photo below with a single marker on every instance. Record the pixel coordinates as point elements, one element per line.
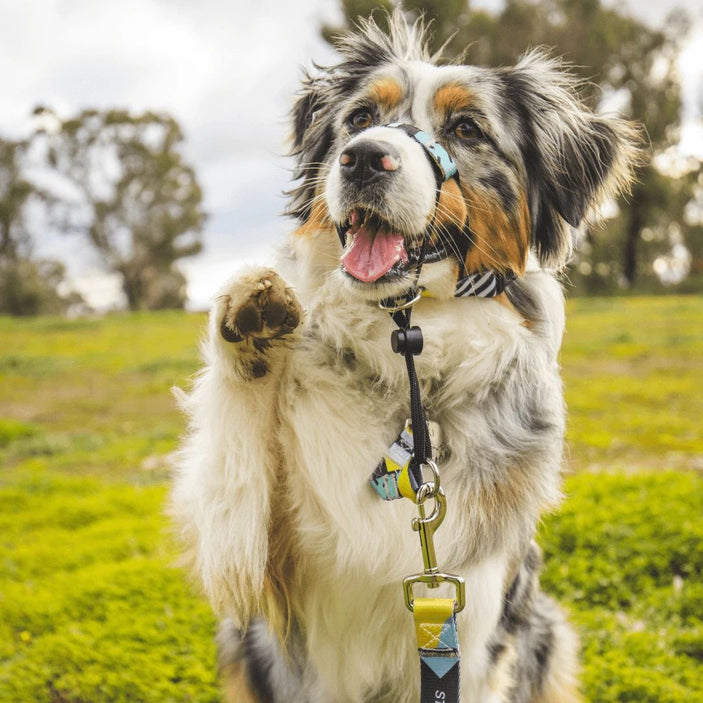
<point>625,555</point>
<point>32,287</point>
<point>642,354</point>
<point>92,608</point>
<point>12,431</point>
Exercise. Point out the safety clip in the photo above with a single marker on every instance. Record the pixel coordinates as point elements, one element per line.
<point>426,526</point>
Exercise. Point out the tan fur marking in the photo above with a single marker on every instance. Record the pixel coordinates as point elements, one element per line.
<point>501,239</point>
<point>500,678</point>
<point>319,219</point>
<point>502,298</point>
<point>560,689</point>
<point>386,92</point>
<point>451,208</point>
<point>452,97</point>
<point>280,569</point>
<point>236,686</point>
<point>565,694</point>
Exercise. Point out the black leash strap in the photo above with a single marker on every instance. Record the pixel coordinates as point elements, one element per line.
<point>407,340</point>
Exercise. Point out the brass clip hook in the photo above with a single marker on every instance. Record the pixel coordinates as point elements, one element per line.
<point>426,526</point>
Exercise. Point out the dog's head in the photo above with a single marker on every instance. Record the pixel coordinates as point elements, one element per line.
<point>532,161</point>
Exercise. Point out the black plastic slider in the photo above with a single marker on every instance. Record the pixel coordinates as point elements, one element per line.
<point>407,341</point>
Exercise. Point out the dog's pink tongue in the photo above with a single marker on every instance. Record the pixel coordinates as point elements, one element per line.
<point>372,255</point>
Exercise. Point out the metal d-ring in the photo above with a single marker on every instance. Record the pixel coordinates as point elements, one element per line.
<point>434,581</point>
<point>404,306</point>
<point>433,486</point>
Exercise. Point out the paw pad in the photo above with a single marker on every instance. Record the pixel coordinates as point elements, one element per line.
<point>269,310</point>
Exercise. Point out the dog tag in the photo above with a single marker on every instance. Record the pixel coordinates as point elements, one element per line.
<point>391,479</point>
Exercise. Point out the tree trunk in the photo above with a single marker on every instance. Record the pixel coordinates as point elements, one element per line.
<point>133,288</point>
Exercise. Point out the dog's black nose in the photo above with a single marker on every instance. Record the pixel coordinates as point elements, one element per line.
<point>367,161</point>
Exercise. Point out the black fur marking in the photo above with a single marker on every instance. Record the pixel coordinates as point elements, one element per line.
<point>258,667</point>
<point>585,165</point>
<point>546,230</point>
<point>497,182</point>
<point>535,646</point>
<point>495,650</point>
<point>520,295</point>
<point>535,419</point>
<point>518,603</point>
<point>259,368</point>
<point>568,155</point>
<point>544,646</point>
<point>348,359</point>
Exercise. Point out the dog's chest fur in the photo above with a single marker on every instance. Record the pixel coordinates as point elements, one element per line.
<point>491,383</point>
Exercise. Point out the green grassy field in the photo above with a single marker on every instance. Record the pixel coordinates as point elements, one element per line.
<point>92,608</point>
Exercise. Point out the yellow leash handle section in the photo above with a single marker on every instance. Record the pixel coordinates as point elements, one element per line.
<point>438,646</point>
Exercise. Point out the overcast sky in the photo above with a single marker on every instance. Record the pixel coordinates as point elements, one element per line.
<point>226,69</point>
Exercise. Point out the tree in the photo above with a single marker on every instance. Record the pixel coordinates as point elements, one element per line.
<point>124,185</point>
<point>27,286</point>
<point>625,65</point>
<point>14,194</point>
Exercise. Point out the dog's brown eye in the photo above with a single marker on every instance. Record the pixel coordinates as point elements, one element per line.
<point>466,129</point>
<point>361,119</point>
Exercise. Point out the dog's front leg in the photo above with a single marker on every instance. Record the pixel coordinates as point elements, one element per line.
<point>226,467</point>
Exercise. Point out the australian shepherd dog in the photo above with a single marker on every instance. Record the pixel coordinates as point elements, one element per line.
<point>301,394</point>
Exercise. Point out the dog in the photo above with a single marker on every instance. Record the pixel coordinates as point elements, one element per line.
<point>301,394</point>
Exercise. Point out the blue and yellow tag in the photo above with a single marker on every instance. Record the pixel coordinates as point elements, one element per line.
<point>392,478</point>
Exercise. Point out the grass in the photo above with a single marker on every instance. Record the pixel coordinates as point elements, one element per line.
<point>92,608</point>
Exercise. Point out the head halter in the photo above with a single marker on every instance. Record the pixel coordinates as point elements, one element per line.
<point>443,164</point>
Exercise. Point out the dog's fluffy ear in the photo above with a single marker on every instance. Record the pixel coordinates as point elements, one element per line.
<point>573,158</point>
<point>311,139</point>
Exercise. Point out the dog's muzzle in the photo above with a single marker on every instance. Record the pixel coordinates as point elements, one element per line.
<point>373,249</point>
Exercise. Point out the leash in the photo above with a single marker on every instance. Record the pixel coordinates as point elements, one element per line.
<point>435,618</point>
<point>401,471</point>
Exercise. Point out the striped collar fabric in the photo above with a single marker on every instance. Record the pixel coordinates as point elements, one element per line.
<point>482,284</point>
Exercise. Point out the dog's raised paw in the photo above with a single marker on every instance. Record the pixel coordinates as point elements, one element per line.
<point>262,308</point>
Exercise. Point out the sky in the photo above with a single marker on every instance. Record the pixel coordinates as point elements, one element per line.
<point>227,70</point>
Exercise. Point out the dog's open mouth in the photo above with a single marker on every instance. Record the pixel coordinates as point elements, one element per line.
<point>376,250</point>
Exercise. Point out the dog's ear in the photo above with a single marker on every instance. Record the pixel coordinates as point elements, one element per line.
<point>311,140</point>
<point>573,158</point>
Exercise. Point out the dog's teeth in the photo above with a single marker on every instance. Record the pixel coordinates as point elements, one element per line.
<point>354,218</point>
